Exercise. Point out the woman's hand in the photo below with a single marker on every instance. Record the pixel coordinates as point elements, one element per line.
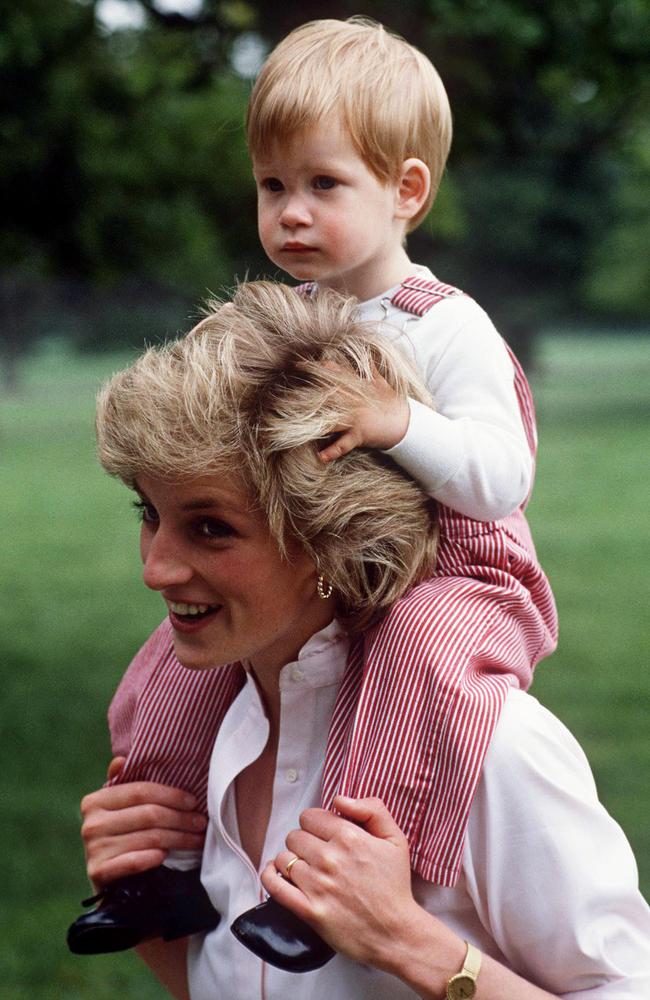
<point>130,828</point>
<point>352,881</point>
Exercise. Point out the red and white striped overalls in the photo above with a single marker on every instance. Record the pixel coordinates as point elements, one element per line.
<point>422,691</point>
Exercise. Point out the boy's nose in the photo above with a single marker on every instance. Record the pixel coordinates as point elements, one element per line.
<point>163,562</point>
<point>295,212</point>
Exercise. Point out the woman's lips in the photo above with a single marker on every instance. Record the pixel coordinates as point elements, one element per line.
<point>189,618</point>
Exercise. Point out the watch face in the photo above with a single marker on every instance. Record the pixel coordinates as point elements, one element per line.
<point>461,988</point>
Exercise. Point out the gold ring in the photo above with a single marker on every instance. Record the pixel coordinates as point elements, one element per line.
<point>287,870</point>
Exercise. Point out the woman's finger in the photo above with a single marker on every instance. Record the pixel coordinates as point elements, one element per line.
<point>372,814</point>
<point>167,839</point>
<point>138,793</point>
<point>106,823</point>
<point>290,865</point>
<point>111,869</point>
<point>141,850</point>
<point>322,823</point>
<point>115,767</point>
<point>307,846</point>
<point>285,892</point>
<point>348,882</point>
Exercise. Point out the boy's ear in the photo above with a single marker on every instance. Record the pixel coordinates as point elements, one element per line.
<point>413,188</point>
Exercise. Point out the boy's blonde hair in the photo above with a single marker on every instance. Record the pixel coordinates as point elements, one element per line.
<point>251,393</point>
<point>385,92</point>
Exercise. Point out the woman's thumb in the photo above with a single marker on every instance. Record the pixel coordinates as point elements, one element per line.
<point>115,767</point>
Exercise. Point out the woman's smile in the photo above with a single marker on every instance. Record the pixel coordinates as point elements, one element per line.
<point>187,617</point>
<point>231,594</point>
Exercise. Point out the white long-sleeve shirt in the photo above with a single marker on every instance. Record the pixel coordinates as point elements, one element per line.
<point>471,453</point>
<point>548,884</point>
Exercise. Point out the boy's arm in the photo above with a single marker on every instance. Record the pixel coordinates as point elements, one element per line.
<point>471,452</point>
<point>475,468</point>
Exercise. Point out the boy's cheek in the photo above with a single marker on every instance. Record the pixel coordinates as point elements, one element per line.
<point>265,234</point>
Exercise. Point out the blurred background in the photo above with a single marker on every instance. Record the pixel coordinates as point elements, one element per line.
<point>127,197</point>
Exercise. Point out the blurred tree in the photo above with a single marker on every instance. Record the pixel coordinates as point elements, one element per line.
<point>123,176</point>
<point>123,166</point>
<point>547,96</point>
<point>617,278</point>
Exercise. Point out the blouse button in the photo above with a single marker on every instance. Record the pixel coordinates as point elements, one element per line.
<point>298,674</point>
<point>292,775</point>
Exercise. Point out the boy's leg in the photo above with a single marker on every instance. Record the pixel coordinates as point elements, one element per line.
<point>164,720</point>
<point>436,674</point>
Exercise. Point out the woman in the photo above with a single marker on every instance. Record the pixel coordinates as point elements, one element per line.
<point>270,564</point>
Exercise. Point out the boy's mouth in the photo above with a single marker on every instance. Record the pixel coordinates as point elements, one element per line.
<point>298,248</point>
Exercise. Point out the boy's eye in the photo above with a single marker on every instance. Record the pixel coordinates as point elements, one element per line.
<point>147,513</point>
<point>272,184</point>
<point>324,183</point>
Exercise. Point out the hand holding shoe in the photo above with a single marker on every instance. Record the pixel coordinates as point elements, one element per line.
<point>130,828</point>
<point>351,883</point>
<point>127,831</point>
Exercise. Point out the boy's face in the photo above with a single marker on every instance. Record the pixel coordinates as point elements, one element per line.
<point>324,216</point>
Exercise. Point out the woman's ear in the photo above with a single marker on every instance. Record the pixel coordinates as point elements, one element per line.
<point>413,188</point>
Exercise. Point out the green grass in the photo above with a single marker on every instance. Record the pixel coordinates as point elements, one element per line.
<point>74,611</point>
<point>590,520</point>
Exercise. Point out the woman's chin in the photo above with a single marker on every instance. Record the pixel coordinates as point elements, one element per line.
<point>196,655</point>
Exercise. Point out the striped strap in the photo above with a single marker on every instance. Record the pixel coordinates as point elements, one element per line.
<point>418,295</point>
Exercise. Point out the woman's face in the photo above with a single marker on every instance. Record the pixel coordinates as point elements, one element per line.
<point>230,594</point>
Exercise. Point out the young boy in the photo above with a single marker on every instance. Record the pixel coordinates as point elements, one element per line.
<point>349,130</point>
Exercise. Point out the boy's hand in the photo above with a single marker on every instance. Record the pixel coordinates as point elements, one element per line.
<point>130,828</point>
<point>380,424</point>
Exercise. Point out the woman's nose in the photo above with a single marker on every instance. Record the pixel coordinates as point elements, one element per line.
<point>164,564</point>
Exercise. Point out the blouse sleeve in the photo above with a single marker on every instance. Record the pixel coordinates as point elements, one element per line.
<point>550,872</point>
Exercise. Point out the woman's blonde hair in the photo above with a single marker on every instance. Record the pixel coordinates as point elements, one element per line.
<point>253,391</point>
<point>384,91</point>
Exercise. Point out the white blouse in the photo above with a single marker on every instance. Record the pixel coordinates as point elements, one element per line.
<point>548,885</point>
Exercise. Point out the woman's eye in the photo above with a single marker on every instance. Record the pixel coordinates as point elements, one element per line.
<point>211,527</point>
<point>146,512</point>
<point>272,184</point>
<point>324,183</point>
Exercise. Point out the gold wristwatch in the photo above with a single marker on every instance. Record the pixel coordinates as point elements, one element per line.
<point>462,986</point>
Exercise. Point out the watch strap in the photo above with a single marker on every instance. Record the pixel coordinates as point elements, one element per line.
<point>463,984</point>
<point>472,963</point>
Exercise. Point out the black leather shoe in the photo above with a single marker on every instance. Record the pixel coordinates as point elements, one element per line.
<point>276,935</point>
<point>160,902</point>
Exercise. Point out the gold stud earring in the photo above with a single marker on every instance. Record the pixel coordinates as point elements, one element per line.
<point>323,589</point>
